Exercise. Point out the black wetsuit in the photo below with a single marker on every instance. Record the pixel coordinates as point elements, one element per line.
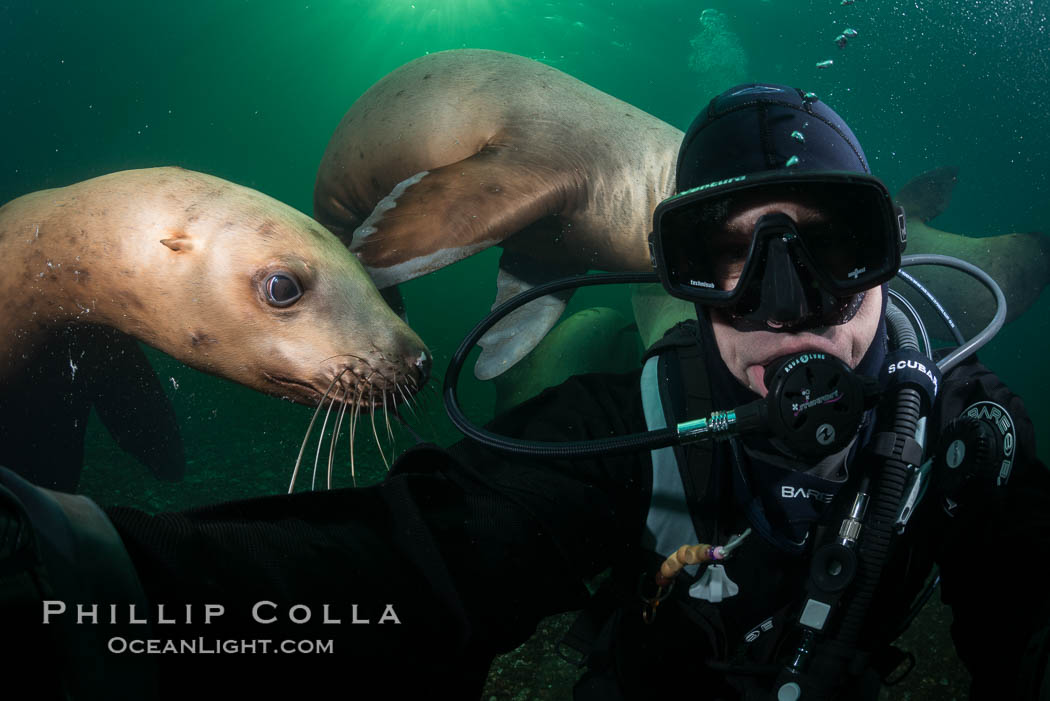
<point>471,549</point>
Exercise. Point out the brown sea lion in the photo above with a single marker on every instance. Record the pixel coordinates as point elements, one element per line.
<point>460,150</point>
<point>596,339</point>
<point>219,276</point>
<point>1018,262</point>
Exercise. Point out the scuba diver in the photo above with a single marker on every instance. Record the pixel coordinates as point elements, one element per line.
<point>794,469</point>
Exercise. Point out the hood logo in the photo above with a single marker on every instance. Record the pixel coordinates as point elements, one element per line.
<point>708,186</point>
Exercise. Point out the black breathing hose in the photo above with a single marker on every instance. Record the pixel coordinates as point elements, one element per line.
<point>877,536</point>
<point>649,440</point>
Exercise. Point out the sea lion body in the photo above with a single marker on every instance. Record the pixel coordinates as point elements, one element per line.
<point>461,150</point>
<point>182,261</point>
<point>596,339</point>
<point>1018,262</point>
<point>506,142</point>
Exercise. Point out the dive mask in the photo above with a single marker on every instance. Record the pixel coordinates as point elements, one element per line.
<point>779,272</point>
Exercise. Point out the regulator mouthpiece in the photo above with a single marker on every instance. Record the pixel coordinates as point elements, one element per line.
<point>816,403</point>
<point>813,409</point>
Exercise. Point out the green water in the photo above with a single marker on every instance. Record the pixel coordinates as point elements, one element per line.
<point>251,91</point>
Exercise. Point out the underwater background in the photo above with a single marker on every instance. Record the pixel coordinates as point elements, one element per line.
<point>251,91</point>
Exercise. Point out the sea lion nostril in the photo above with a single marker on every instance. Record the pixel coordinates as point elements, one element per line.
<point>422,364</point>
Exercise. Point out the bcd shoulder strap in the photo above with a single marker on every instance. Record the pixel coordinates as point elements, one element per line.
<point>685,392</point>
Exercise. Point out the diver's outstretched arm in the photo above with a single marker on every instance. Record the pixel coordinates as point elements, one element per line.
<point>417,582</point>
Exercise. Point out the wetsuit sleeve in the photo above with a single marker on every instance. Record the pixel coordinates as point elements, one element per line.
<point>587,407</point>
<point>992,557</point>
<point>466,549</point>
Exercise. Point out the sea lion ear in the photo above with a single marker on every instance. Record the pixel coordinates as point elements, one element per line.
<point>179,243</point>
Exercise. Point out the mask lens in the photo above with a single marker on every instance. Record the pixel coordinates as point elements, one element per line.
<point>853,245</point>
<point>699,252</point>
<point>847,237</point>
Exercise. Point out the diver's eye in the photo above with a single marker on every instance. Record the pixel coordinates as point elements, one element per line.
<point>282,289</point>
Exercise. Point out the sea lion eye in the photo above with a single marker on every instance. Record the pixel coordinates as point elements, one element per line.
<point>282,289</point>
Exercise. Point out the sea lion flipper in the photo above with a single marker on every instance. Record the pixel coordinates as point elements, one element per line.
<point>132,405</point>
<point>656,312</point>
<point>519,332</point>
<point>924,197</point>
<point>393,298</point>
<point>441,216</point>
<point>597,339</point>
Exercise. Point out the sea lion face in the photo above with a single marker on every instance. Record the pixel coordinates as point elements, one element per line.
<point>274,301</point>
<point>218,276</point>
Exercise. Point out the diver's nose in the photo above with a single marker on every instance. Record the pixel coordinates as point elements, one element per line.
<point>783,294</point>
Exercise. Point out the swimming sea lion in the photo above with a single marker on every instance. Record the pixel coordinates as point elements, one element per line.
<point>597,339</point>
<point>460,150</point>
<point>219,276</point>
<point>1019,262</point>
<point>655,311</point>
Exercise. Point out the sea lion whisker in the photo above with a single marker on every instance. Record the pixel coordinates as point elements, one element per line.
<point>335,436</point>
<point>412,404</point>
<point>438,381</point>
<point>386,418</point>
<point>399,407</point>
<point>408,400</point>
<point>427,393</point>
<point>375,434</point>
<point>425,402</point>
<point>345,355</point>
<point>389,381</point>
<point>407,426</point>
<point>414,400</point>
<point>320,440</point>
<point>302,448</point>
<point>423,396</point>
<point>389,426</point>
<point>353,429</point>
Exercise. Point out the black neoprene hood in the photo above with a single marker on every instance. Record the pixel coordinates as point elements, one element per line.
<point>762,127</point>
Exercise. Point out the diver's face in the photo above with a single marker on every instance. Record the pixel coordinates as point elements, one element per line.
<point>748,353</point>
